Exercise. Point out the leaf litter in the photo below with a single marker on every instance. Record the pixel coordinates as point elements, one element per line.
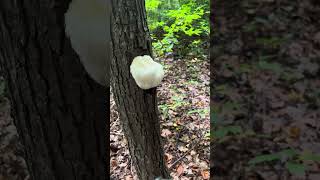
<point>268,85</point>
<point>183,101</point>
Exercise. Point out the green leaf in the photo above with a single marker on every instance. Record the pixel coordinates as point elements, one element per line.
<point>295,168</point>
<point>207,134</point>
<point>201,112</point>
<point>275,67</point>
<point>264,158</point>
<point>244,68</point>
<point>225,130</point>
<point>272,42</point>
<point>312,157</point>
<point>177,19</point>
<point>152,4</point>
<point>220,133</point>
<point>289,153</point>
<point>235,129</point>
<point>214,118</point>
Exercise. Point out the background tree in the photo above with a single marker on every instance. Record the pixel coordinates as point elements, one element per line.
<point>59,111</point>
<point>138,108</point>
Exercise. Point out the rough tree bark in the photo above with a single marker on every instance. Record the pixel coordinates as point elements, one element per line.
<point>138,108</point>
<point>60,113</point>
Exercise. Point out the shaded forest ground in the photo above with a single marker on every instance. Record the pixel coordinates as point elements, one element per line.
<point>265,91</point>
<point>184,107</point>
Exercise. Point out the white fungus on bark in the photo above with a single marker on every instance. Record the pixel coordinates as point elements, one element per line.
<point>146,72</point>
<point>87,26</point>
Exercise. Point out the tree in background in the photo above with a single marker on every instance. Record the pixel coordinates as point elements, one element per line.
<point>138,108</point>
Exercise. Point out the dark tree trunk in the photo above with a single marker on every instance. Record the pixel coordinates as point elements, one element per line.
<point>60,113</point>
<point>138,108</point>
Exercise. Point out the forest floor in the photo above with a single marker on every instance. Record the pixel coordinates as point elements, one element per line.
<point>185,124</point>
<point>266,96</point>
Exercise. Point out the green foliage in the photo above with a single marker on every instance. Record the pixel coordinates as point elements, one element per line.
<point>202,112</point>
<point>177,102</point>
<point>214,118</point>
<point>225,130</point>
<point>296,168</point>
<point>273,42</point>
<point>179,26</point>
<point>225,108</point>
<point>275,67</point>
<point>164,109</point>
<point>291,76</point>
<point>152,4</point>
<point>207,135</point>
<point>289,153</point>
<point>192,82</point>
<point>264,158</point>
<point>309,156</point>
<point>291,157</point>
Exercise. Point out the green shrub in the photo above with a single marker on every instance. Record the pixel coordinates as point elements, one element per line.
<point>179,26</point>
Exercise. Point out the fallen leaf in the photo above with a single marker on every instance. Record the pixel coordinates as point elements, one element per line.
<point>294,132</point>
<point>185,138</point>
<point>123,165</point>
<point>129,177</point>
<point>165,132</point>
<point>189,157</point>
<point>168,157</point>
<point>114,163</point>
<point>180,169</point>
<point>183,149</point>
<point>193,152</point>
<point>205,174</point>
<point>203,165</point>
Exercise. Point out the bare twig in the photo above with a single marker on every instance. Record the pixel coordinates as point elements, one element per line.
<point>195,144</point>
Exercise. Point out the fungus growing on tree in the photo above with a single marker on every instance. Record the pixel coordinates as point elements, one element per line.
<point>87,27</point>
<point>146,72</point>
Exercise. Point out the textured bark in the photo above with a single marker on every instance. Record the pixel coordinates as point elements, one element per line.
<point>138,108</point>
<point>60,113</point>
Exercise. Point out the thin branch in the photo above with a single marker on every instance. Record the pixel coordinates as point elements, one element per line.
<point>195,144</point>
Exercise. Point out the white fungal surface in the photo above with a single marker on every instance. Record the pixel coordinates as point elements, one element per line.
<point>88,27</point>
<point>146,72</point>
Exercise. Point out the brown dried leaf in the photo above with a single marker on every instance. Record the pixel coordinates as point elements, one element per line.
<point>165,132</point>
<point>114,163</point>
<point>180,169</point>
<point>205,174</point>
<point>294,132</point>
<point>183,149</point>
<point>129,177</point>
<point>168,157</point>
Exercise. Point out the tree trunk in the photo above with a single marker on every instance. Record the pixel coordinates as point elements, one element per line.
<point>60,113</point>
<point>138,108</point>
